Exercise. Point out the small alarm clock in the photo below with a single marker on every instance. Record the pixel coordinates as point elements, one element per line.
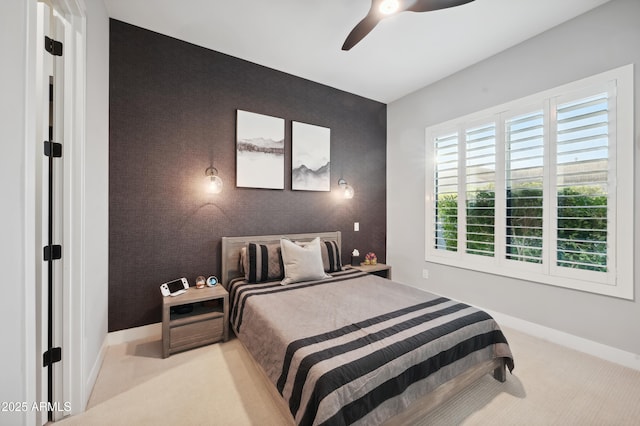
<point>211,281</point>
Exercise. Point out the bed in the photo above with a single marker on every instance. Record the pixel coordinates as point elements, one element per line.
<point>350,347</point>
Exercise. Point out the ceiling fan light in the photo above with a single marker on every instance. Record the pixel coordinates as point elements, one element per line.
<point>388,7</point>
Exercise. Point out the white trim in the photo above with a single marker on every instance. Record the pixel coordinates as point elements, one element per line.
<point>43,69</point>
<point>137,333</point>
<point>625,157</point>
<point>608,353</point>
<point>74,210</point>
<point>32,358</point>
<point>92,377</point>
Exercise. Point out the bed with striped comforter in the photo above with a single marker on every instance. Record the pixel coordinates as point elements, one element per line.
<point>356,348</point>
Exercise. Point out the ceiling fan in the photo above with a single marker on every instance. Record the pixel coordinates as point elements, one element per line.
<point>381,9</point>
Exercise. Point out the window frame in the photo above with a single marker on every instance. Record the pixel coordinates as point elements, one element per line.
<point>618,280</point>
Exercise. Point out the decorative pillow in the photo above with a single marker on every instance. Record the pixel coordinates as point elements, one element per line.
<point>302,263</point>
<point>331,256</point>
<point>330,253</point>
<point>262,262</point>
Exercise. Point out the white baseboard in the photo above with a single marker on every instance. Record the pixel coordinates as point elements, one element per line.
<point>618,356</point>
<point>93,374</point>
<point>136,333</point>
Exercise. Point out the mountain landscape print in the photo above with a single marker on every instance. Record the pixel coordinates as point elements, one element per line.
<point>310,157</point>
<point>259,151</point>
<point>303,178</point>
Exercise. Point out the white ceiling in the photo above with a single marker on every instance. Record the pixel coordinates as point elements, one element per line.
<point>304,37</point>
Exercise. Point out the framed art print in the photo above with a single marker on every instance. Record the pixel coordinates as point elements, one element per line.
<point>310,157</point>
<point>259,151</point>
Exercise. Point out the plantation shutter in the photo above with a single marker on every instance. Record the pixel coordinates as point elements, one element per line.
<point>480,162</point>
<point>582,183</point>
<point>539,189</point>
<point>524,153</point>
<point>446,192</point>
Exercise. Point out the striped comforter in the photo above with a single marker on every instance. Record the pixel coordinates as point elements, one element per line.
<point>357,348</point>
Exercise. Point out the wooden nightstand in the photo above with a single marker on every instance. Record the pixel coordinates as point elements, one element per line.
<point>379,269</point>
<point>207,323</point>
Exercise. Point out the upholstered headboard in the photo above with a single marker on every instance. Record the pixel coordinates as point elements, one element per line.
<point>231,247</point>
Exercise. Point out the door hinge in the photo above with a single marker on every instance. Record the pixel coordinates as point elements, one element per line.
<point>52,149</point>
<point>52,252</point>
<point>52,46</point>
<point>51,356</point>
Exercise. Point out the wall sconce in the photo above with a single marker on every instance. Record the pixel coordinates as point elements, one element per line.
<point>214,183</point>
<point>348,189</point>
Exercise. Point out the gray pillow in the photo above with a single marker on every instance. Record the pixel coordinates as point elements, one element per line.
<point>330,255</point>
<point>302,263</point>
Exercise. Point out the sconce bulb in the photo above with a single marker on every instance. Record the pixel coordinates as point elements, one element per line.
<point>346,188</point>
<point>215,185</point>
<point>348,192</point>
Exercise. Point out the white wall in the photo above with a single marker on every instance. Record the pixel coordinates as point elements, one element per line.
<point>96,283</point>
<point>602,39</point>
<point>18,359</point>
<point>16,329</point>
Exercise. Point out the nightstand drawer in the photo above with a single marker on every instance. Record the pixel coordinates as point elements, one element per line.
<point>197,332</point>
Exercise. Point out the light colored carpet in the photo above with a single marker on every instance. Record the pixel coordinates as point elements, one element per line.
<point>219,385</point>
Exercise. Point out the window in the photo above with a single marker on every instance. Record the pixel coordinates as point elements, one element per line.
<point>540,188</point>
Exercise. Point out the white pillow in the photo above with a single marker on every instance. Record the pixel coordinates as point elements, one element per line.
<point>302,263</point>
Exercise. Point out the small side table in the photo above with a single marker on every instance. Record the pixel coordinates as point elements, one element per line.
<point>379,269</point>
<point>207,323</point>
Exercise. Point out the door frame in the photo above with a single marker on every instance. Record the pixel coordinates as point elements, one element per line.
<point>74,388</point>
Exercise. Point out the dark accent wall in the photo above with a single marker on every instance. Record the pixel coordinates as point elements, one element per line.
<point>173,114</point>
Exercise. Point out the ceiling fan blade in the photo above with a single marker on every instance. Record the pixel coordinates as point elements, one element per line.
<point>359,32</point>
<point>369,22</point>
<point>429,5</point>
